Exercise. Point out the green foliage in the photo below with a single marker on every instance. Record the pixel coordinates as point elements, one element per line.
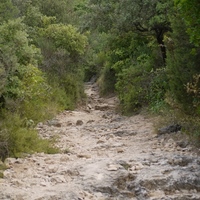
<point>107,81</point>
<point>130,60</point>
<point>59,99</point>
<point>190,10</point>
<point>148,18</point>
<point>182,64</point>
<point>40,69</point>
<point>15,44</point>
<point>63,10</point>
<point>17,139</point>
<point>15,51</point>
<point>132,87</point>
<point>118,56</point>
<point>100,15</point>
<point>66,37</point>
<point>24,85</point>
<point>73,89</point>
<point>95,55</point>
<point>32,16</point>
<point>145,16</point>
<point>193,88</point>
<point>63,48</point>
<point>132,66</point>
<point>157,90</point>
<point>27,96</point>
<point>7,11</point>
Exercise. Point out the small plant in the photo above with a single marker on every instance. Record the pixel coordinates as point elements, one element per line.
<point>2,168</point>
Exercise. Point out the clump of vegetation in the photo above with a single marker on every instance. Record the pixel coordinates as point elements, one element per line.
<point>18,137</point>
<point>41,71</point>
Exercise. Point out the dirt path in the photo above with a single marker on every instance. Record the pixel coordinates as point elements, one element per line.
<point>105,157</point>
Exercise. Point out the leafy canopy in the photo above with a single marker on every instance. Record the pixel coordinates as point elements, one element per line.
<point>65,37</point>
<point>190,9</point>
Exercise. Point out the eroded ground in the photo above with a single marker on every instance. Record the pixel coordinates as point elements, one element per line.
<point>105,156</point>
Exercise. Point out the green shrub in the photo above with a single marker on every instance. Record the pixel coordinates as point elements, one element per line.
<point>59,97</point>
<point>16,138</point>
<point>132,88</point>
<point>182,64</point>
<point>63,48</point>
<point>107,80</point>
<point>67,90</point>
<point>157,90</point>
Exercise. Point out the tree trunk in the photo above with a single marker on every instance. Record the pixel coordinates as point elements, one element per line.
<point>160,40</point>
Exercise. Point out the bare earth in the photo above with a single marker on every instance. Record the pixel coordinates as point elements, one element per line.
<point>105,156</point>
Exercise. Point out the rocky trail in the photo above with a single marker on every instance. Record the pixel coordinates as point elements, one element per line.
<point>105,156</point>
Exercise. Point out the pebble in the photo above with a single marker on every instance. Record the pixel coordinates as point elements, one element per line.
<point>100,141</point>
<point>112,167</point>
<point>52,168</point>
<point>58,179</point>
<point>132,170</point>
<point>64,158</point>
<point>120,150</point>
<point>79,122</point>
<point>69,123</point>
<point>137,167</point>
<point>118,145</point>
<point>44,184</point>
<point>89,106</point>
<point>83,156</point>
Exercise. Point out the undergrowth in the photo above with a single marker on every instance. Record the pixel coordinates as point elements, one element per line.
<point>18,138</point>
<point>168,114</point>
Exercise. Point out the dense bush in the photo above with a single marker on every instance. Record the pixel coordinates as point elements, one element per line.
<point>130,69</point>
<point>132,87</point>
<point>182,64</point>
<point>107,81</point>
<point>63,48</point>
<point>25,91</point>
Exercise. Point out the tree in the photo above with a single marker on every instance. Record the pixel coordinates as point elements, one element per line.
<point>21,81</point>
<point>62,44</point>
<point>63,10</point>
<point>146,17</point>
<point>7,10</point>
<point>63,47</point>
